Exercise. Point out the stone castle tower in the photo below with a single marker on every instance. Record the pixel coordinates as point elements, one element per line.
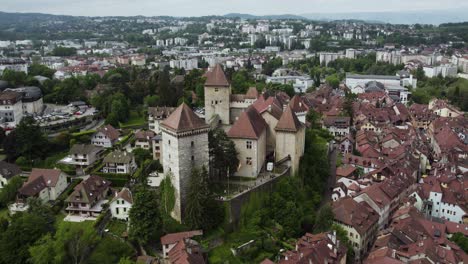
<point>185,144</point>
<point>290,138</point>
<point>217,95</point>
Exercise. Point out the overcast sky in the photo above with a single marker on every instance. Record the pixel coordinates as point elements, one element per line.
<point>220,7</point>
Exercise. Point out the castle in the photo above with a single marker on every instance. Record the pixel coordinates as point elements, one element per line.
<point>263,128</point>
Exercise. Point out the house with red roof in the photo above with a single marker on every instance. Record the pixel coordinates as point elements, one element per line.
<point>105,136</point>
<point>45,184</point>
<point>316,248</point>
<point>169,242</point>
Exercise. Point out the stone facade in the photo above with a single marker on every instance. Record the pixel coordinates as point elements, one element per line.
<point>251,155</point>
<point>183,152</point>
<point>290,143</point>
<point>217,102</point>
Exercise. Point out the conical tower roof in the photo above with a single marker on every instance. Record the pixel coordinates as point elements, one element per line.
<point>216,77</point>
<point>183,119</point>
<point>288,122</point>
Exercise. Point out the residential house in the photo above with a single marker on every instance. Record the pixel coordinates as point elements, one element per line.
<point>144,139</point>
<point>105,136</point>
<point>171,240</point>
<point>120,162</point>
<point>156,115</point>
<point>8,171</point>
<point>121,204</point>
<point>338,126</point>
<point>84,156</point>
<point>87,198</point>
<point>46,184</point>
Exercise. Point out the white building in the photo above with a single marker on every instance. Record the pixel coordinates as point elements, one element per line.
<point>444,70</point>
<point>187,64</point>
<point>105,136</point>
<point>327,57</point>
<point>121,204</point>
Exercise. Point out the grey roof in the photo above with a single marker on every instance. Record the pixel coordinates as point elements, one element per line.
<point>118,157</point>
<point>374,86</point>
<point>9,170</point>
<point>375,77</point>
<point>30,93</point>
<point>85,149</point>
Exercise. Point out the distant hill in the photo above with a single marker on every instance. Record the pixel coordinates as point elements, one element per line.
<point>249,16</point>
<point>434,17</point>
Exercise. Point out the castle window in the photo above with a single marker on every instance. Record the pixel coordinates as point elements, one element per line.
<point>193,158</point>
<point>169,142</point>
<point>248,161</point>
<point>192,144</point>
<point>248,144</point>
<point>216,102</point>
<point>216,89</point>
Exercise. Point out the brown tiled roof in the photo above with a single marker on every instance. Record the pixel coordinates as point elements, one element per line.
<point>125,194</point>
<point>50,177</point>
<point>249,125</point>
<point>175,237</point>
<point>345,170</point>
<point>271,104</point>
<point>161,111</point>
<point>288,122</point>
<point>186,252</point>
<point>358,215</point>
<point>298,105</point>
<point>252,93</point>
<point>89,190</point>
<point>216,77</point>
<point>145,135</point>
<point>183,119</point>
<point>110,132</point>
<point>33,187</point>
<point>9,170</point>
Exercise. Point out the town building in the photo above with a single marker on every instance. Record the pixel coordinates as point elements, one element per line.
<point>83,156</point>
<point>156,115</point>
<point>181,248</point>
<point>144,139</point>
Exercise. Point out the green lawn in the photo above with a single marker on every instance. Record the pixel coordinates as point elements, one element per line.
<point>117,227</point>
<point>134,120</point>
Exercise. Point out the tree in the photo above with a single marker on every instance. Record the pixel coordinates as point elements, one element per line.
<point>324,219</point>
<point>141,155</point>
<point>165,93</point>
<point>42,70</point>
<point>30,141</point>
<point>197,194</point>
<point>9,191</point>
<point>25,229</point>
<point>126,260</point>
<point>72,243</point>
<point>333,81</point>
<point>461,240</point>
<point>314,117</point>
<point>14,78</point>
<point>63,51</point>
<point>223,153</point>
<point>145,219</point>
<point>201,210</point>
<point>110,251</point>
<point>167,195</point>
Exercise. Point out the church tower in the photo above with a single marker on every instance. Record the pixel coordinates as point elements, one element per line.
<point>185,145</point>
<point>217,96</point>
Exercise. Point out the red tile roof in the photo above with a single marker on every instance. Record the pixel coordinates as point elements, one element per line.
<point>298,105</point>
<point>250,125</point>
<point>50,176</point>
<point>184,119</point>
<point>175,237</point>
<point>288,122</point>
<point>216,77</point>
